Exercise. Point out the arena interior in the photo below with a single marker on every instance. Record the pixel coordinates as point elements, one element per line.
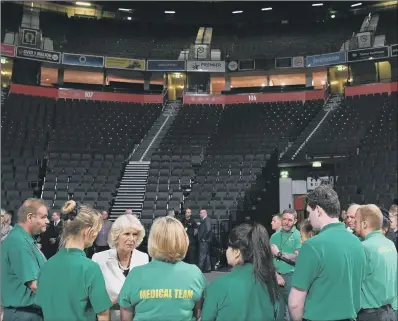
<point>239,108</point>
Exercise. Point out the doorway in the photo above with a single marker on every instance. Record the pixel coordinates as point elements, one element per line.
<point>338,76</point>
<point>176,84</point>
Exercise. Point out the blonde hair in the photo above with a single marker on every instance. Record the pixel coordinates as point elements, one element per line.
<point>167,240</point>
<point>30,206</point>
<point>393,210</point>
<point>371,214</point>
<point>5,218</point>
<point>123,223</point>
<point>86,217</point>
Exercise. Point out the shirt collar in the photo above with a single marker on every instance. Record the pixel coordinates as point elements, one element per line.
<point>18,228</point>
<point>72,251</point>
<point>373,234</point>
<point>337,225</point>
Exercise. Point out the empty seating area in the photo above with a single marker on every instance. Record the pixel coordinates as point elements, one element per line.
<point>70,148</point>
<point>247,135</point>
<point>371,175</point>
<point>172,166</point>
<point>344,127</point>
<point>89,178</point>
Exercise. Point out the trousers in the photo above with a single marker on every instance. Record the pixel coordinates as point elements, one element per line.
<point>384,313</point>
<point>12,314</point>
<point>284,292</point>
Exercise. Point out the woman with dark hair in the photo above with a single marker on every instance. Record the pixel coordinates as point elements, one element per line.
<point>250,291</point>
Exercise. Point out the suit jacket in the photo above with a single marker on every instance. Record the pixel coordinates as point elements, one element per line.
<point>205,231</point>
<point>114,277</point>
<point>190,227</point>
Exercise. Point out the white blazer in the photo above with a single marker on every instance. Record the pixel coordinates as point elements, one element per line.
<point>113,275</point>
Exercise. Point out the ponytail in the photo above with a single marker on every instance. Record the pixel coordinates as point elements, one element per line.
<point>263,265</point>
<point>253,243</point>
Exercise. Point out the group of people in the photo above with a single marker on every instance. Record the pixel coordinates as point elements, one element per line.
<point>321,271</point>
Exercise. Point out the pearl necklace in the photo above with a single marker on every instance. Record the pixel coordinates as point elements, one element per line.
<point>122,267</point>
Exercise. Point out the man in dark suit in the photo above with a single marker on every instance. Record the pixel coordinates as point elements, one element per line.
<point>51,237</point>
<point>192,229</point>
<point>204,238</point>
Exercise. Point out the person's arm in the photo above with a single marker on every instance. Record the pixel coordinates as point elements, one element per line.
<point>307,269</point>
<point>98,296</point>
<point>103,316</point>
<point>24,264</point>
<point>288,258</point>
<point>197,310</point>
<point>208,232</point>
<point>296,303</point>
<point>126,314</point>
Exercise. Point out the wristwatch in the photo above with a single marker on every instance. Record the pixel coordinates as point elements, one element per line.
<point>279,255</point>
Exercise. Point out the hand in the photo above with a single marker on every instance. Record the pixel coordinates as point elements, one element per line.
<point>52,240</point>
<point>195,231</point>
<point>274,249</point>
<point>280,280</point>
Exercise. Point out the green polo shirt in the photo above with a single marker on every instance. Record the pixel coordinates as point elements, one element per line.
<point>163,291</point>
<point>380,285</point>
<point>238,296</point>
<point>331,267</point>
<point>287,242</point>
<point>71,287</point>
<point>21,261</point>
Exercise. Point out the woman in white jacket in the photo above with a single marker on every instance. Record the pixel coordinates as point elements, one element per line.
<point>124,237</point>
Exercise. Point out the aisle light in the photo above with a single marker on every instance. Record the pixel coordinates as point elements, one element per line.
<point>84,4</point>
<point>237,11</point>
<point>317,4</point>
<point>266,9</point>
<point>356,4</point>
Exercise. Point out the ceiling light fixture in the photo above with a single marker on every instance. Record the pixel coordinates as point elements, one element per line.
<point>124,9</point>
<point>266,9</point>
<point>333,16</point>
<point>356,4</point>
<point>317,4</point>
<point>170,12</point>
<point>128,18</point>
<point>83,4</point>
<point>237,11</point>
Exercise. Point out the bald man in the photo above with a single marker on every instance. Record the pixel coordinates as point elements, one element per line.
<point>350,216</point>
<point>379,288</point>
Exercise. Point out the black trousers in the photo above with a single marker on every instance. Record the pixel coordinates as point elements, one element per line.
<point>191,257</point>
<point>384,313</point>
<point>204,257</point>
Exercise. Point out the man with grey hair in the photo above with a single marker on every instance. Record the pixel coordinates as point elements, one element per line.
<point>330,267</point>
<point>21,263</point>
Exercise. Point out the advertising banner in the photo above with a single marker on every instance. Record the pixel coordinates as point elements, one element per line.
<point>367,54</point>
<point>334,58</point>
<point>125,63</point>
<point>298,62</point>
<point>206,66</point>
<point>252,98</point>
<point>40,55</point>
<point>394,50</point>
<point>84,94</point>
<point>285,62</point>
<point>165,65</point>
<point>7,50</point>
<point>29,37</point>
<point>83,60</point>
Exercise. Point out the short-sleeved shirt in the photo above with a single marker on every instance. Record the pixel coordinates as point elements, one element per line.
<point>163,291</point>
<point>71,287</point>
<point>331,267</point>
<point>287,242</point>
<point>238,296</point>
<point>21,261</point>
<point>380,285</point>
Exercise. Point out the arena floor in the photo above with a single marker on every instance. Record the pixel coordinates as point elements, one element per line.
<point>215,274</point>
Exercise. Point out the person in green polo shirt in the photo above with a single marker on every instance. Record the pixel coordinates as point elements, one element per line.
<point>379,289</point>
<point>166,288</point>
<point>330,267</point>
<point>70,285</point>
<point>250,291</point>
<point>285,242</point>
<point>21,262</point>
